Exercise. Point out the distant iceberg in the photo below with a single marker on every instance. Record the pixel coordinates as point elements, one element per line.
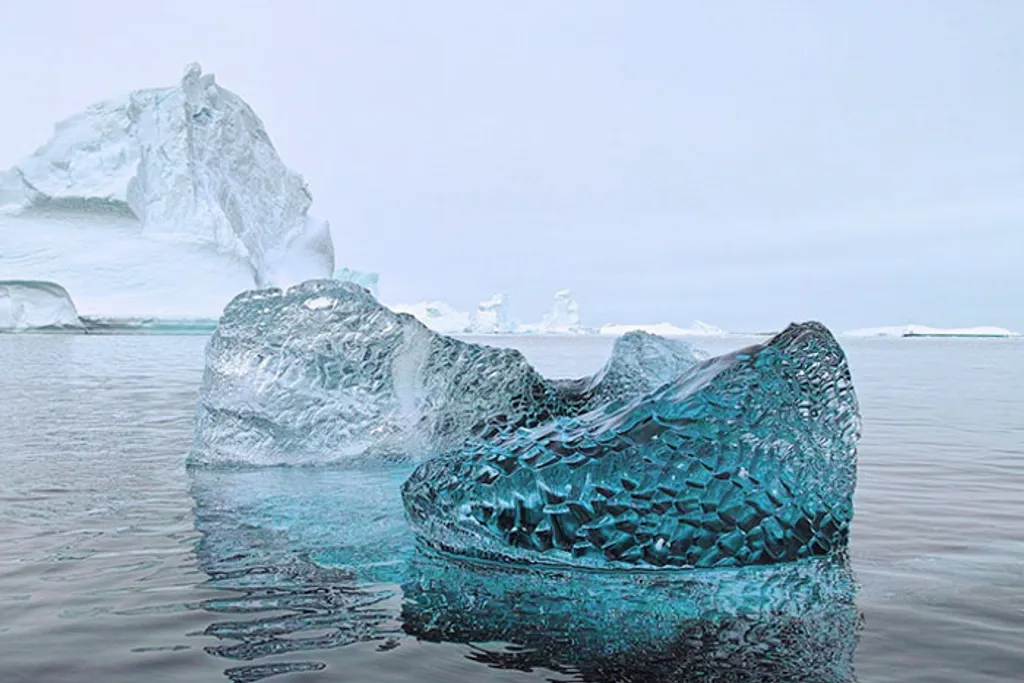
<point>563,318</point>
<point>698,329</point>
<point>437,316</point>
<point>368,281</point>
<point>493,316</point>
<point>925,331</point>
<point>31,305</point>
<point>164,202</point>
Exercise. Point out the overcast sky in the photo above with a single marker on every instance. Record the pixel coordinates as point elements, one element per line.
<point>745,163</point>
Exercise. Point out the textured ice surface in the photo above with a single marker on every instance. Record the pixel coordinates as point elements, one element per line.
<point>26,304</point>
<point>748,458</point>
<point>167,200</point>
<point>322,372</point>
<point>493,316</point>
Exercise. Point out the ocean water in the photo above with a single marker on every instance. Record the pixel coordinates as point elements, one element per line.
<point>118,564</point>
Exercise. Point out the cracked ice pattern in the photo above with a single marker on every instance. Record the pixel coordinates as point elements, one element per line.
<point>748,458</point>
<point>322,373</point>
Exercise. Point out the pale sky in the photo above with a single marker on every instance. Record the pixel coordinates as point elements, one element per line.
<point>745,163</point>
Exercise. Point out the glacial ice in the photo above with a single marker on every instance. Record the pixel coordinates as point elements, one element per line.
<point>323,373</point>
<point>493,316</point>
<point>698,329</point>
<point>27,305</point>
<point>366,280</point>
<point>167,201</point>
<point>747,458</point>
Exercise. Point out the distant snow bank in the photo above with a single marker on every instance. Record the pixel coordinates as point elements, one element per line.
<point>698,329</point>
<point>925,331</point>
<point>29,305</point>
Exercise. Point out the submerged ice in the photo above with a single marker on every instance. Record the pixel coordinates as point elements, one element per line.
<point>322,372</point>
<point>748,458</point>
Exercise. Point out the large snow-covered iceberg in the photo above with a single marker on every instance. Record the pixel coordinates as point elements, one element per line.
<point>698,329</point>
<point>747,458</point>
<point>26,305</point>
<point>167,201</point>
<point>322,372</point>
<point>925,331</point>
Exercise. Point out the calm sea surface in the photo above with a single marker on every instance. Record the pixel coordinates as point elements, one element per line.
<point>118,564</point>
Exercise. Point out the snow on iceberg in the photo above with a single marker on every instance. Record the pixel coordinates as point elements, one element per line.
<point>748,458</point>
<point>493,316</point>
<point>28,305</point>
<point>925,331</point>
<point>167,201</point>
<point>698,329</point>
<point>366,280</point>
<point>323,373</point>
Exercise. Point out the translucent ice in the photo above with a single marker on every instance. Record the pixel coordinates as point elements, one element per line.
<point>781,623</point>
<point>748,458</point>
<point>26,304</point>
<point>322,372</point>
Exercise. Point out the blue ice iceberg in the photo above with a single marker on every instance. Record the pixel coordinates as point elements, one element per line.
<point>748,458</point>
<point>322,373</point>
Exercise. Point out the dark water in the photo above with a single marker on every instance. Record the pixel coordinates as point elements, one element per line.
<point>117,564</point>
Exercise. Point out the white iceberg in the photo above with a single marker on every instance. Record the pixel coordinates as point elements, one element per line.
<point>28,305</point>
<point>563,318</point>
<point>366,280</point>
<point>437,316</point>
<point>493,316</point>
<point>925,331</point>
<point>166,202</point>
<point>698,329</point>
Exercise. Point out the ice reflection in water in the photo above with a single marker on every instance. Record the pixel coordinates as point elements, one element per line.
<point>312,559</point>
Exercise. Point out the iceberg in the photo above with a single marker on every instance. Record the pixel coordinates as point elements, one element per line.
<point>493,316</point>
<point>748,458</point>
<point>166,202</point>
<point>28,305</point>
<point>698,329</point>
<point>368,281</point>
<point>324,373</point>
<point>563,318</point>
<point>925,331</point>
